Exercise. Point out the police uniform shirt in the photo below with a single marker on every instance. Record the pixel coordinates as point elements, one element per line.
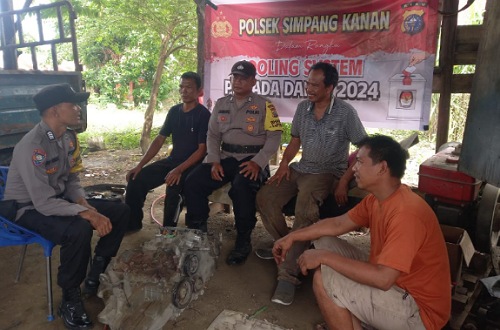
<point>44,169</point>
<point>254,123</point>
<point>188,130</point>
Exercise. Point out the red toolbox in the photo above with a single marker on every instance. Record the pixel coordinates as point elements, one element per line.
<point>439,177</point>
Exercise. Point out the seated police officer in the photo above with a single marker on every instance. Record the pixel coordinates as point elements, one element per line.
<point>244,131</point>
<point>43,179</point>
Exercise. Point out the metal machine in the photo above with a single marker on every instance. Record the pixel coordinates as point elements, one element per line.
<point>459,199</point>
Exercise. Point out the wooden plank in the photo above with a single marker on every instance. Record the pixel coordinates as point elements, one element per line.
<point>479,157</point>
<point>466,58</point>
<point>469,35</point>
<point>460,83</point>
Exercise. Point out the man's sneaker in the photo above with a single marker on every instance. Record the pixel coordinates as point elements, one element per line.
<point>284,293</point>
<point>266,254</point>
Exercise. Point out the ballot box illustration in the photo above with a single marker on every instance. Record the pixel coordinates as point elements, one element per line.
<point>406,96</point>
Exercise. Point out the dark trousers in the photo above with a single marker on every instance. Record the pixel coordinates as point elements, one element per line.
<point>199,185</point>
<point>74,234</point>
<point>150,177</point>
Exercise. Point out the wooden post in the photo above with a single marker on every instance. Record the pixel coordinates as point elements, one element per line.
<point>446,60</point>
<point>200,14</point>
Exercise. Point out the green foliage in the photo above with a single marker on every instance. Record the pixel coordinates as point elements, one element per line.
<point>286,135</point>
<point>120,43</point>
<point>459,104</point>
<point>119,139</point>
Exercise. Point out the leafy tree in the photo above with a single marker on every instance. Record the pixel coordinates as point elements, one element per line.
<point>137,40</point>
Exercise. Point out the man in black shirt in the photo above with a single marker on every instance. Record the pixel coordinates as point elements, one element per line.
<point>187,122</point>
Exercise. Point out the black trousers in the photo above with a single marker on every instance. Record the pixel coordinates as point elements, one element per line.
<point>199,185</point>
<point>74,234</point>
<point>150,177</point>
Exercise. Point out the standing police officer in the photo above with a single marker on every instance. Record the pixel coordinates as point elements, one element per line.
<point>244,132</point>
<point>43,179</point>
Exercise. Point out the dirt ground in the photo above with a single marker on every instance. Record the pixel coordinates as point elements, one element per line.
<point>247,288</point>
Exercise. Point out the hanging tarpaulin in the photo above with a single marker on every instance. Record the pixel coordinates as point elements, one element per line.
<point>384,51</point>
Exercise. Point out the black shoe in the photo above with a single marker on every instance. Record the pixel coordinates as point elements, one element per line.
<point>199,226</point>
<point>90,288</point>
<point>236,257</point>
<point>242,249</point>
<point>73,315</point>
<point>91,283</point>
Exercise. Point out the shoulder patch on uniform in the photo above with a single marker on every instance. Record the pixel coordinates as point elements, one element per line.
<point>38,157</point>
<point>272,122</point>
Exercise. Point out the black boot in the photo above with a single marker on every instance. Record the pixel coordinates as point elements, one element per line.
<point>72,311</point>
<point>91,283</point>
<point>200,225</point>
<point>241,250</point>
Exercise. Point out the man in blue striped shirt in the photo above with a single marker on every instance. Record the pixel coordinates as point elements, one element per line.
<point>324,126</point>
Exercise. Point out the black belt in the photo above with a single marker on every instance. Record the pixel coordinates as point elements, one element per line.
<point>239,149</point>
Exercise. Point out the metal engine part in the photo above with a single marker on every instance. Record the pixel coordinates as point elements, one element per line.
<point>145,287</point>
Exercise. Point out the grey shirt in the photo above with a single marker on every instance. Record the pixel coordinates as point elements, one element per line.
<point>44,171</point>
<point>325,142</point>
<point>255,122</point>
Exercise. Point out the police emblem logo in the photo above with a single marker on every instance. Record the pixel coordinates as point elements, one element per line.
<point>250,128</point>
<point>413,22</point>
<point>38,157</point>
<point>221,28</point>
<point>251,120</point>
<point>253,107</point>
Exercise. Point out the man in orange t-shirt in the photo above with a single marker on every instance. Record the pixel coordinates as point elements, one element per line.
<point>405,281</point>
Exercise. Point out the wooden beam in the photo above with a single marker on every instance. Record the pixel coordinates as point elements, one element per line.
<point>469,35</point>
<point>460,83</point>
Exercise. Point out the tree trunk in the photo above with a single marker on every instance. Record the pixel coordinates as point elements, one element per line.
<point>148,116</point>
<point>200,14</point>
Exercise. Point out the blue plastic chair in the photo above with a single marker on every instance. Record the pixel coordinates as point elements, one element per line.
<point>12,234</point>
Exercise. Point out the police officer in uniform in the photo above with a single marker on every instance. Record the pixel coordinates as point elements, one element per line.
<point>244,132</point>
<point>43,180</point>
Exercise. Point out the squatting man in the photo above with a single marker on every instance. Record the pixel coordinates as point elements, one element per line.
<point>405,282</point>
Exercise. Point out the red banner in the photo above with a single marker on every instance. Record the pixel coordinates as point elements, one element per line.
<point>383,49</point>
